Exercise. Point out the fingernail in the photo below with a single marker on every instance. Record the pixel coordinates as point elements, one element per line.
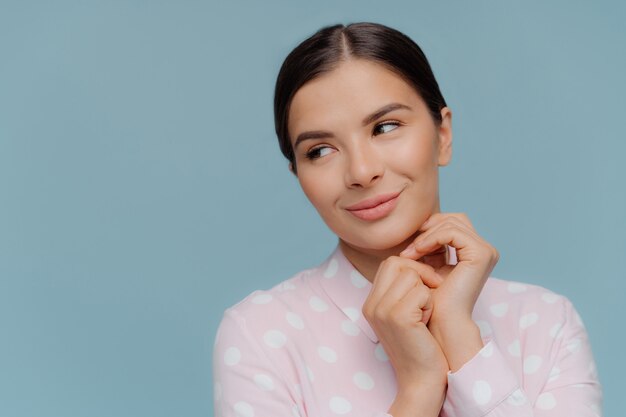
<point>408,250</point>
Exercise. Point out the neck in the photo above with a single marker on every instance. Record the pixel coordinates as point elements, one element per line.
<point>366,261</point>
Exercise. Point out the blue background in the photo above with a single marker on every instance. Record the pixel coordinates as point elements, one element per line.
<point>142,190</point>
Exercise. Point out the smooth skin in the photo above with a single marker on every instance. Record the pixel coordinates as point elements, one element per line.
<point>360,131</point>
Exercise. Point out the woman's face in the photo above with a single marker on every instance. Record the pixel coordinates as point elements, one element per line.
<point>361,132</point>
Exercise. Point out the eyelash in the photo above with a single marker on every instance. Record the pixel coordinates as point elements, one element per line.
<point>314,152</point>
<point>388,122</point>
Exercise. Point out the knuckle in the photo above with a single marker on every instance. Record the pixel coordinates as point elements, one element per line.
<point>423,292</point>
<point>367,312</point>
<point>393,259</point>
<point>379,315</point>
<point>396,317</point>
<point>491,252</point>
<point>486,251</point>
<point>449,225</point>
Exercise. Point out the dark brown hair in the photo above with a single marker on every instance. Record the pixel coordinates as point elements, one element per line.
<point>331,45</point>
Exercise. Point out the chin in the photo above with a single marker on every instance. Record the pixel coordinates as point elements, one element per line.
<point>384,241</point>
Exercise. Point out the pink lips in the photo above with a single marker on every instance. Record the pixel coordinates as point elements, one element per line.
<point>374,208</point>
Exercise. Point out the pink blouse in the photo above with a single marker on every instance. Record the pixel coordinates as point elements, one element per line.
<point>303,348</point>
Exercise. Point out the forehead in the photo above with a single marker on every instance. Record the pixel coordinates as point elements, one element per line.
<point>346,94</point>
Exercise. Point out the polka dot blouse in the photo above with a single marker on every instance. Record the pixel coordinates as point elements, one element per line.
<point>303,348</point>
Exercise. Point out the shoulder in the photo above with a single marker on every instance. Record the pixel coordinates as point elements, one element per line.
<point>264,309</point>
<point>514,312</point>
<point>499,292</point>
<point>282,296</point>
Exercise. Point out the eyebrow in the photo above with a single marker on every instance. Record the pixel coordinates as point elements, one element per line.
<point>322,134</point>
<point>383,111</point>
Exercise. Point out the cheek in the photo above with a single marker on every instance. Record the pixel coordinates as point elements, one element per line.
<point>416,159</point>
<point>318,188</point>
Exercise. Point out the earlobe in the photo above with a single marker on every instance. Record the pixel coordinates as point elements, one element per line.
<point>291,169</point>
<point>445,137</point>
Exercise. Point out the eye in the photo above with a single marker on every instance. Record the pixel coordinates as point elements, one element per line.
<point>318,152</point>
<point>385,127</point>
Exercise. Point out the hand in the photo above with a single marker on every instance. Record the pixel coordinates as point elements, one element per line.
<point>398,308</point>
<point>454,299</point>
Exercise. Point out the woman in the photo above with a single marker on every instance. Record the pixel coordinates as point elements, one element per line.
<point>402,318</point>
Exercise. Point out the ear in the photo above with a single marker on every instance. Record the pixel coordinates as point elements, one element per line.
<point>445,137</point>
<point>291,169</point>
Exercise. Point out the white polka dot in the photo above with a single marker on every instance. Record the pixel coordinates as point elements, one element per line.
<point>380,353</point>
<point>516,287</point>
<point>481,392</point>
<point>499,310</point>
<point>232,356</point>
<point>309,373</point>
<point>593,370</point>
<point>574,345</point>
<point>546,401</point>
<point>363,381</point>
<point>555,372</point>
<point>317,304</point>
<point>515,349</point>
<point>484,327</point>
<point>217,391</point>
<point>218,336</point>
<point>578,319</point>
<point>262,299</point>
<point>243,409</point>
<point>350,328</point>
<point>487,350</point>
<point>286,286</point>
<point>517,398</point>
<point>331,269</point>
<point>274,339</point>
<point>532,364</point>
<point>528,320</point>
<point>295,320</point>
<point>352,312</point>
<point>264,382</point>
<point>327,354</point>
<point>358,280</point>
<point>298,389</point>
<point>556,330</point>
<point>340,405</point>
<point>596,409</point>
<point>549,297</point>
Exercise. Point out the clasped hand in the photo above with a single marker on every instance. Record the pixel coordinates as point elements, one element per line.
<point>420,307</point>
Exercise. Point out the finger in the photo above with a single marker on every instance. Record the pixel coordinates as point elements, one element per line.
<point>449,221</point>
<point>437,218</point>
<point>390,268</point>
<point>415,306</point>
<point>437,258</point>
<point>403,283</point>
<point>444,234</point>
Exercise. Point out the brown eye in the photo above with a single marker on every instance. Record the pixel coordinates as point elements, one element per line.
<point>318,152</point>
<point>385,127</point>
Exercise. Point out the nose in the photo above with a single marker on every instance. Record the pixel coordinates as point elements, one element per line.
<point>365,166</point>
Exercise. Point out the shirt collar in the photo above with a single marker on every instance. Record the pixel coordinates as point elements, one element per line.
<point>347,288</point>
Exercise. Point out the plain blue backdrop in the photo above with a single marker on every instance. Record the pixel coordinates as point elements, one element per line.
<point>142,190</point>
